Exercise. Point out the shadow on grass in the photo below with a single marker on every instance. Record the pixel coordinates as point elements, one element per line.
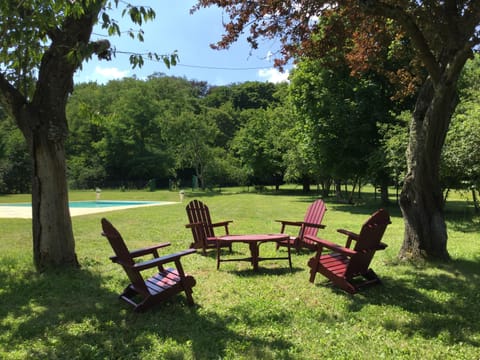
<point>462,218</point>
<point>262,271</point>
<point>72,314</point>
<point>442,305</point>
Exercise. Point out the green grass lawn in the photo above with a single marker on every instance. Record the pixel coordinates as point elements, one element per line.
<point>420,312</point>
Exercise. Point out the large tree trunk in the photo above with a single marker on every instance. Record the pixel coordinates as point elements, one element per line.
<point>421,199</point>
<point>53,242</point>
<point>44,125</point>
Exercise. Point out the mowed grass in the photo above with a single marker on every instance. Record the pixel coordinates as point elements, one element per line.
<point>422,311</point>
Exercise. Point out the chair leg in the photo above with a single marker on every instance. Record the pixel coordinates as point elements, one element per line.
<point>188,294</point>
<point>289,257</point>
<point>314,263</point>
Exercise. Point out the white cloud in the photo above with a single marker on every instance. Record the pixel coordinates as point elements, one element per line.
<point>273,75</point>
<point>110,73</point>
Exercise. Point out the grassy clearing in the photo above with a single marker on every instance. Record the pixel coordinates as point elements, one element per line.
<point>420,312</point>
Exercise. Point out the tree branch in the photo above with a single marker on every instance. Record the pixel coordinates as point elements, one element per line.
<point>10,97</point>
<point>409,25</point>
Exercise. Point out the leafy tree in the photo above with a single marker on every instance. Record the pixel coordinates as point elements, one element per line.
<point>193,137</point>
<point>134,147</point>
<point>255,144</point>
<point>252,95</point>
<point>246,95</point>
<point>86,114</point>
<point>443,35</point>
<point>461,155</point>
<point>15,162</point>
<point>43,43</point>
<point>340,120</point>
<point>226,119</point>
<point>394,144</point>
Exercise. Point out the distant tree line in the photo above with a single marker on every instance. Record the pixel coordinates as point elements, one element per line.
<point>325,128</point>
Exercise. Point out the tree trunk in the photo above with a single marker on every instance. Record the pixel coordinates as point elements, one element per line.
<point>421,199</point>
<point>475,200</point>
<point>306,184</point>
<point>338,190</point>
<point>384,198</point>
<point>53,241</point>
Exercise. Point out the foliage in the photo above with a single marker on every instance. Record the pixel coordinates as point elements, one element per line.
<point>394,145</point>
<point>339,119</point>
<point>255,144</point>
<point>461,155</point>
<point>15,164</point>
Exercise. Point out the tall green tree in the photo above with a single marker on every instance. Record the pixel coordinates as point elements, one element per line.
<point>443,34</point>
<point>15,162</point>
<point>87,113</point>
<point>256,145</point>
<point>340,115</point>
<point>193,137</point>
<point>43,43</point>
<point>461,154</point>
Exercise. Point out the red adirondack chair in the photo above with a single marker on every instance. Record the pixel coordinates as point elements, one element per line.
<point>142,293</point>
<point>309,226</point>
<point>203,228</point>
<point>349,268</point>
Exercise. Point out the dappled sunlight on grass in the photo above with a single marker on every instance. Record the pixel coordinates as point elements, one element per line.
<point>424,311</point>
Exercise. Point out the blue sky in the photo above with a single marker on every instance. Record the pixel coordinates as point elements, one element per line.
<point>191,35</point>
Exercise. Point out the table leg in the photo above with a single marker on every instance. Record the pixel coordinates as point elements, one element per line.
<point>254,253</point>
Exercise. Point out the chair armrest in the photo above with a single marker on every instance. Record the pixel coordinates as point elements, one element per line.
<point>286,223</point>
<point>141,252</point>
<point>222,223</point>
<point>148,250</point>
<point>162,260</point>
<point>200,224</point>
<point>319,226</point>
<point>292,223</point>
<point>330,245</point>
<point>350,234</point>
<point>191,225</point>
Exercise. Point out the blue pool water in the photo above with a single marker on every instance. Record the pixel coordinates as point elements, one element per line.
<point>96,204</point>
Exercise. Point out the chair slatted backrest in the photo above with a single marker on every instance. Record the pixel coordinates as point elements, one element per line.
<point>369,241</point>
<point>314,215</point>
<point>198,212</point>
<point>123,255</point>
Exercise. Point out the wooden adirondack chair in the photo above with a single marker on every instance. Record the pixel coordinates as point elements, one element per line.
<point>142,293</point>
<point>349,268</point>
<point>309,226</point>
<point>203,228</point>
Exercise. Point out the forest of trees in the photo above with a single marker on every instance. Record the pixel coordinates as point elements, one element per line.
<point>324,128</point>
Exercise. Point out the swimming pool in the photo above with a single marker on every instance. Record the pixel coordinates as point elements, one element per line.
<point>96,204</point>
<point>24,210</point>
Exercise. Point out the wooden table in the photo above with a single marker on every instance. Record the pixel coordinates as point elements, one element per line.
<point>253,241</point>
